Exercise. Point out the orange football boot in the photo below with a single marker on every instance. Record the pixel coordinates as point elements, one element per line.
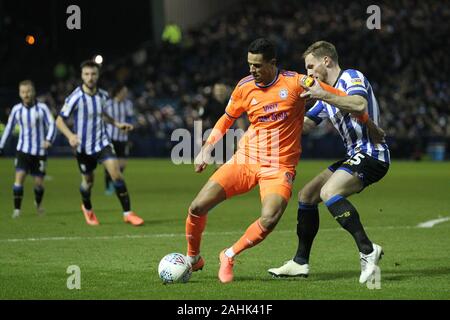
<point>133,219</point>
<point>226,268</point>
<point>90,217</point>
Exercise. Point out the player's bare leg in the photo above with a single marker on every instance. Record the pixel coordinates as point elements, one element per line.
<point>307,227</point>
<point>273,207</point>
<point>209,196</point>
<point>341,185</point>
<point>113,168</point>
<point>87,182</point>
<point>39,193</point>
<point>18,191</point>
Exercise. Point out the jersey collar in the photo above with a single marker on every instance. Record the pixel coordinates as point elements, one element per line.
<point>339,77</point>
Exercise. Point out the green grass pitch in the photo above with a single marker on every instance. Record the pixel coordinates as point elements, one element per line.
<point>118,261</point>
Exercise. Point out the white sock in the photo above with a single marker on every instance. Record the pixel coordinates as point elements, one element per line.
<point>126,213</point>
<point>230,253</point>
<point>193,259</point>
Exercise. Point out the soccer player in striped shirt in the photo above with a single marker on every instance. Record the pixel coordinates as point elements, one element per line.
<point>37,133</point>
<point>120,108</point>
<point>367,159</point>
<point>91,142</point>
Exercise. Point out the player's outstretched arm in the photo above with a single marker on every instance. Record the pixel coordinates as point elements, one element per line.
<point>121,125</point>
<point>74,140</point>
<point>321,91</point>
<point>220,128</point>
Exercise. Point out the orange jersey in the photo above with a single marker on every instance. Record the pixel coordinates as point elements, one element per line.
<point>275,112</point>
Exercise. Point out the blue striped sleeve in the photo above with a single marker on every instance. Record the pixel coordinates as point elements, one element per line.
<point>50,122</point>
<point>317,113</point>
<point>355,83</point>
<point>130,117</point>
<point>69,106</point>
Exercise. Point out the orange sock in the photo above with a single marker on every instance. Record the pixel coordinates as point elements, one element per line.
<point>194,229</point>
<point>252,236</point>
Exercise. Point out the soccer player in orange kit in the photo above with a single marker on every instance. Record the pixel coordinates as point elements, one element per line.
<point>267,154</point>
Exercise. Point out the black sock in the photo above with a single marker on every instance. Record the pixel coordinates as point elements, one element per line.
<point>122,194</point>
<point>108,180</point>
<point>86,198</point>
<point>38,195</point>
<point>347,216</point>
<point>307,227</point>
<point>18,195</point>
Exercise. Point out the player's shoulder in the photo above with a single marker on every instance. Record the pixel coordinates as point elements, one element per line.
<point>16,107</point>
<point>248,80</point>
<point>352,74</point>
<point>103,93</point>
<point>42,105</point>
<point>75,94</point>
<point>288,74</point>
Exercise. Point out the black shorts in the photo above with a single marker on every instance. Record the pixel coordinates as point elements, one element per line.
<point>88,163</point>
<point>121,148</point>
<point>367,168</point>
<point>34,165</point>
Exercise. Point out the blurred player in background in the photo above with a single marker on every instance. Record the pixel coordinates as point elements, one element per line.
<point>366,162</point>
<point>267,154</point>
<point>120,108</point>
<point>37,133</point>
<point>91,142</point>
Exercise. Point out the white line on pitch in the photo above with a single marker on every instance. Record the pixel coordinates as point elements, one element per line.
<point>432,223</point>
<point>169,235</point>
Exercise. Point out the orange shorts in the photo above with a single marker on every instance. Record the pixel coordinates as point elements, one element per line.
<point>236,178</point>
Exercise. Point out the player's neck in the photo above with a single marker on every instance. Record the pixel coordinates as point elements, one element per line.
<point>29,105</point>
<point>333,75</point>
<point>272,77</point>
<point>88,90</point>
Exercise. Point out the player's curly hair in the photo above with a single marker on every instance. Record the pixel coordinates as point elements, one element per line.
<point>321,49</point>
<point>265,47</point>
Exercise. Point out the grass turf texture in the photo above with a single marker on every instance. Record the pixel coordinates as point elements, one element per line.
<point>118,261</point>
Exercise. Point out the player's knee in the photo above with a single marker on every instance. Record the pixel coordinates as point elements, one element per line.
<point>87,184</point>
<point>197,208</point>
<point>326,193</point>
<point>270,219</point>
<point>269,222</point>
<point>308,195</point>
<point>116,175</point>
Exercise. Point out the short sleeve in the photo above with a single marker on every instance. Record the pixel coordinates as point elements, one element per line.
<point>70,104</point>
<point>353,82</point>
<point>318,112</point>
<point>235,107</point>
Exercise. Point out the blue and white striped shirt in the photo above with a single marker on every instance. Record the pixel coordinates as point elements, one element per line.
<point>121,111</point>
<point>88,124</point>
<point>36,126</point>
<point>354,134</point>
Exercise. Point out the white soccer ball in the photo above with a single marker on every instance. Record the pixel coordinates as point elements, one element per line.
<point>174,267</point>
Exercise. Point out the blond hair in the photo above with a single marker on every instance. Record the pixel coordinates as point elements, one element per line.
<point>321,49</point>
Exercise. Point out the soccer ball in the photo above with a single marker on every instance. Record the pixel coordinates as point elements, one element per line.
<point>174,267</point>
